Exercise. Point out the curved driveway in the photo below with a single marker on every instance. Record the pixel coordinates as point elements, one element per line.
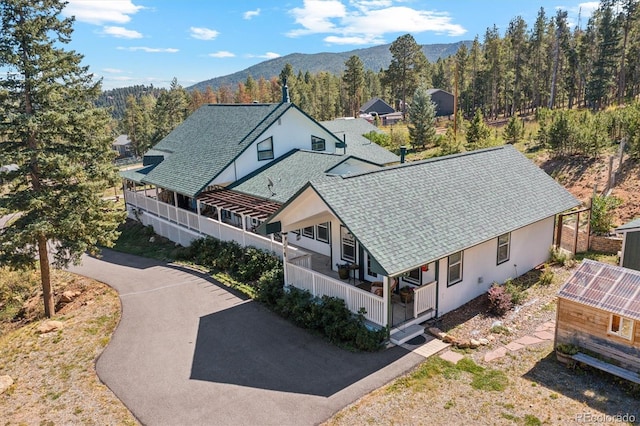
<point>189,351</point>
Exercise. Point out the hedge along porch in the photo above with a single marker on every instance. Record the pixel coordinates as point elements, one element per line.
<point>465,220</point>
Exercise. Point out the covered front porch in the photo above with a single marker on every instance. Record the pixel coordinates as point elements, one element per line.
<point>382,302</point>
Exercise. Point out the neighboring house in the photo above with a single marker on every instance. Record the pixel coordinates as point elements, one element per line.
<point>391,118</point>
<point>122,145</point>
<point>376,106</point>
<point>444,102</point>
<point>6,169</point>
<point>599,312</point>
<point>630,255</point>
<point>352,130</point>
<point>447,228</point>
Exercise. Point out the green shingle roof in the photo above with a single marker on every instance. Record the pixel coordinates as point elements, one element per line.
<point>289,173</point>
<point>136,175</point>
<point>207,141</point>
<point>358,145</point>
<point>417,212</point>
<point>634,224</point>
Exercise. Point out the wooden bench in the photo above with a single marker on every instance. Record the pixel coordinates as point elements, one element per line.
<point>605,366</point>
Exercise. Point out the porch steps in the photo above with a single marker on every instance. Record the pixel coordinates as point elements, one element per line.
<point>405,334</point>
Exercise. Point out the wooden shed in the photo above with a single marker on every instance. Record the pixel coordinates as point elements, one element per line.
<point>630,255</point>
<point>599,312</point>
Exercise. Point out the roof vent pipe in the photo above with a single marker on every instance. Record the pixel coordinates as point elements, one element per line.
<point>285,92</point>
<point>403,152</point>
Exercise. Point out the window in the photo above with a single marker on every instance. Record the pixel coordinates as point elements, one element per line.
<point>455,268</point>
<point>621,326</point>
<point>308,232</point>
<point>369,271</point>
<point>317,144</point>
<point>322,232</point>
<point>347,245</point>
<point>265,149</point>
<point>413,276</point>
<point>504,243</point>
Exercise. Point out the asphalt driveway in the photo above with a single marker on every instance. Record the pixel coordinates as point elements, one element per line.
<point>190,351</point>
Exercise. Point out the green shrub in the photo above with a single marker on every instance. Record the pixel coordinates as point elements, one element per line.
<point>546,278</point>
<point>602,207</point>
<point>518,295</point>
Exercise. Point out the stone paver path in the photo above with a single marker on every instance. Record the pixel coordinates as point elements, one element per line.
<point>543,333</point>
<point>451,356</point>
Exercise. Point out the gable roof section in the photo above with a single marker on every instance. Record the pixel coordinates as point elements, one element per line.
<point>634,225</point>
<point>357,144</point>
<point>288,173</point>
<point>416,212</point>
<point>376,105</point>
<point>207,141</point>
<point>611,288</point>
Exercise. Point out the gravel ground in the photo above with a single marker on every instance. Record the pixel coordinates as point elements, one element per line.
<point>540,389</point>
<point>54,375</point>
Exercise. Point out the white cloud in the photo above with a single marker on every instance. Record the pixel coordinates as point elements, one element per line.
<point>203,33</point>
<point>251,14</point>
<point>102,11</point>
<point>120,78</point>
<point>268,55</point>
<point>112,70</point>
<point>353,40</point>
<point>589,7</point>
<point>121,32</point>
<point>222,54</point>
<point>149,49</point>
<point>367,21</point>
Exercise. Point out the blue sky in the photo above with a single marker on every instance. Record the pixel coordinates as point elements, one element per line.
<point>127,42</point>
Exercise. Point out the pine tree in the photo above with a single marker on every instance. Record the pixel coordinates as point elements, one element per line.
<point>408,63</point>
<point>170,110</point>
<point>59,141</point>
<point>514,131</point>
<point>353,80</point>
<point>478,132</point>
<point>422,114</point>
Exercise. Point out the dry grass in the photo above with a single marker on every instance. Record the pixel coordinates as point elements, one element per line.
<point>54,375</point>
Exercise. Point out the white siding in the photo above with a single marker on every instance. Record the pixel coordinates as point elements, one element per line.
<point>292,131</point>
<point>529,248</point>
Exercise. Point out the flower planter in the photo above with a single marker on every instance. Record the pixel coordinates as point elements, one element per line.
<point>343,273</point>
<point>406,296</point>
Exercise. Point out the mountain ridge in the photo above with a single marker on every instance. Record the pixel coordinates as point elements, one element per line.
<point>373,58</point>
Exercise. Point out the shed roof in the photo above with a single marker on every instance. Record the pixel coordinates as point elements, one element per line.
<point>376,104</point>
<point>608,287</point>
<point>634,225</point>
<point>357,144</point>
<point>202,146</point>
<point>415,212</point>
<point>122,140</point>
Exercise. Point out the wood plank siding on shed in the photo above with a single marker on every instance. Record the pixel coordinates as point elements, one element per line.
<point>587,327</point>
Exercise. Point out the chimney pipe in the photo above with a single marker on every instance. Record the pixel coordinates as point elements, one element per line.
<point>403,152</point>
<point>285,92</point>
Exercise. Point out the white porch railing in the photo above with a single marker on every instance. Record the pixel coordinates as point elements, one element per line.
<point>424,298</point>
<point>301,260</point>
<point>320,285</point>
<point>175,221</point>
